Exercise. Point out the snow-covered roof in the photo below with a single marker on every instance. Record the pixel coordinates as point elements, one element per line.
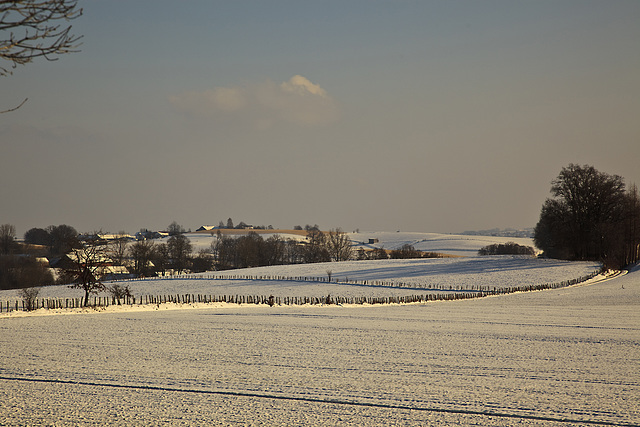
<point>208,227</point>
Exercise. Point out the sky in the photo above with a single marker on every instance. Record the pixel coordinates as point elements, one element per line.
<point>431,116</point>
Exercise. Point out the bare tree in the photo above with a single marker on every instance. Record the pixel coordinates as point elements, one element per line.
<point>508,248</point>
<point>141,253</point>
<point>378,253</point>
<point>224,251</point>
<point>180,249</point>
<point>29,296</point>
<point>339,245</point>
<point>250,250</point>
<point>88,265</point>
<point>118,249</point>
<point>405,251</point>
<point>293,252</point>
<point>7,239</point>
<point>35,28</point>
<point>160,258</point>
<point>175,228</point>
<point>275,250</point>
<point>315,248</point>
<point>203,261</point>
<point>119,292</point>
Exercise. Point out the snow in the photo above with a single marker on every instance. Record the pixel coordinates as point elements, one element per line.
<point>450,244</point>
<point>569,355</point>
<point>408,277</point>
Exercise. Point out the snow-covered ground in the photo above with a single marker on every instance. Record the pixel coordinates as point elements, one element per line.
<point>451,244</point>
<point>569,356</point>
<point>414,275</point>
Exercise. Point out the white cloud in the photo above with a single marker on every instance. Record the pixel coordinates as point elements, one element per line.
<point>264,104</point>
<point>301,86</point>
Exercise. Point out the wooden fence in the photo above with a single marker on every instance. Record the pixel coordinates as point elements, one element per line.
<point>437,293</point>
<point>372,283</point>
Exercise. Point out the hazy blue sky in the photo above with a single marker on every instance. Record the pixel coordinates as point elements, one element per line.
<point>435,116</point>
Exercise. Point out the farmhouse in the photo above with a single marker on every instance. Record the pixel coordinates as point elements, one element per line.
<point>106,268</point>
<point>208,227</point>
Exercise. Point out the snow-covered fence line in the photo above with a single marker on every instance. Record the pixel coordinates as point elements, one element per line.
<point>372,283</point>
<point>444,293</point>
<point>99,302</point>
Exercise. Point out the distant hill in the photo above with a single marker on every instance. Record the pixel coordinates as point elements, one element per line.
<point>244,231</point>
<point>450,244</point>
<point>499,232</point>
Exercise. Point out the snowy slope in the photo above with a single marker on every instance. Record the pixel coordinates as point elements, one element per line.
<point>451,244</point>
<point>557,357</point>
<point>414,275</point>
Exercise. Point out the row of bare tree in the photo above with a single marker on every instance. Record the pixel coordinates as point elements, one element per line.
<point>89,263</point>
<point>254,251</point>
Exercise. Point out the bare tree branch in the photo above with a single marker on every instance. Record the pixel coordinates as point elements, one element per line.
<point>30,29</point>
<point>15,108</point>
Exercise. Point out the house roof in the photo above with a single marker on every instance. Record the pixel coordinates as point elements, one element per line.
<point>207,227</point>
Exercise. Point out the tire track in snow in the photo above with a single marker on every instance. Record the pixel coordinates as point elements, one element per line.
<point>323,400</point>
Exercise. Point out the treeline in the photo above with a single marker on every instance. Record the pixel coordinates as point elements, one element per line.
<point>84,261</point>
<point>592,216</point>
<point>509,248</point>
<point>254,251</point>
<point>24,265</point>
<point>443,294</point>
<point>241,226</point>
<point>407,251</point>
<point>23,272</point>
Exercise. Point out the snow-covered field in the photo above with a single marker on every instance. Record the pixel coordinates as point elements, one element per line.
<point>424,275</point>
<point>414,275</point>
<point>542,358</point>
<point>569,356</point>
<point>450,244</point>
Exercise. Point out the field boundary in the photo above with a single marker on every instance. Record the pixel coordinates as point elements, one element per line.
<point>441,293</point>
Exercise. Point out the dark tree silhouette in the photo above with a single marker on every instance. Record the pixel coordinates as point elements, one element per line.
<point>585,218</point>
<point>406,251</point>
<point>64,238</point>
<point>89,262</point>
<point>37,236</point>
<point>180,249</point>
<point>315,248</point>
<point>339,245</point>
<point>7,239</point>
<point>141,253</point>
